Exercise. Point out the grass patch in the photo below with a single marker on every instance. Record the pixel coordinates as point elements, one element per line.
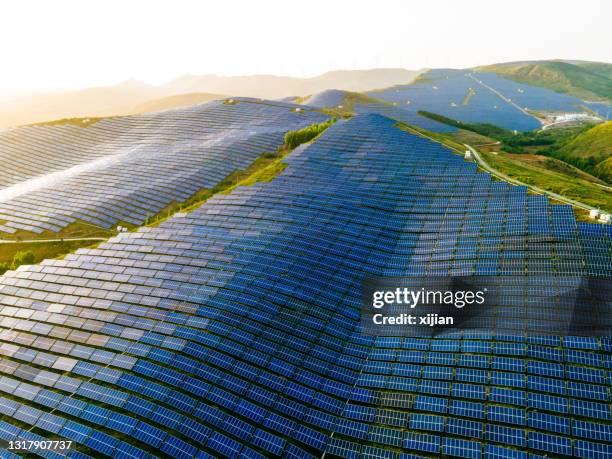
<point>77,229</point>
<point>551,175</point>
<point>13,255</point>
<point>80,122</point>
<point>471,138</point>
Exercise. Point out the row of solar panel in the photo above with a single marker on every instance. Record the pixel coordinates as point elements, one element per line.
<point>126,169</point>
<point>243,331</point>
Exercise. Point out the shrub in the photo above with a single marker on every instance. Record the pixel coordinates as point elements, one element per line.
<point>296,138</point>
<point>23,258</point>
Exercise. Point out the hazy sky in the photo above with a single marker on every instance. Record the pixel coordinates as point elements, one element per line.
<point>73,44</point>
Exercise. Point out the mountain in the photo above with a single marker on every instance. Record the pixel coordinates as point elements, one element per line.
<point>275,87</point>
<point>95,102</point>
<point>586,80</point>
<point>181,100</point>
<point>591,151</point>
<point>359,80</point>
<point>262,86</point>
<point>131,96</point>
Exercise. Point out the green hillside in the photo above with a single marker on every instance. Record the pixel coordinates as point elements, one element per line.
<point>591,151</point>
<point>587,80</point>
<point>604,170</point>
<point>599,68</point>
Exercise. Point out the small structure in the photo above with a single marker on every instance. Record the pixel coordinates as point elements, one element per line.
<point>604,218</point>
<point>594,213</point>
<point>468,154</point>
<point>298,110</point>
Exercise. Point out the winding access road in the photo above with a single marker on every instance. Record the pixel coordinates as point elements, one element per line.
<point>482,163</point>
<point>500,175</point>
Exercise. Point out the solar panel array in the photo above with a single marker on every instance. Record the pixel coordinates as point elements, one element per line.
<point>327,98</point>
<point>333,98</point>
<point>406,116</point>
<point>532,97</point>
<point>602,109</point>
<point>453,93</point>
<point>542,99</point>
<point>233,330</point>
<point>479,97</point>
<point>125,169</point>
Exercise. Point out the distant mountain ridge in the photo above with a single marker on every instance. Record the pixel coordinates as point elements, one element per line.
<point>276,87</point>
<point>102,101</point>
<point>130,96</point>
<point>178,101</point>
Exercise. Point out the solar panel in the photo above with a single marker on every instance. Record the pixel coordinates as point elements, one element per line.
<point>130,168</point>
<point>444,92</point>
<point>234,329</point>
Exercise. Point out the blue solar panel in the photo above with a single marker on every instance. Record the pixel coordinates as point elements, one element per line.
<point>467,97</point>
<point>462,448</point>
<point>499,452</point>
<point>550,443</point>
<point>422,442</point>
<point>234,329</point>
